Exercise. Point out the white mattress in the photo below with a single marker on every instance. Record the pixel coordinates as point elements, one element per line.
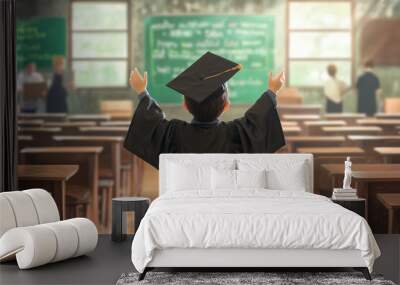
<point>250,219</point>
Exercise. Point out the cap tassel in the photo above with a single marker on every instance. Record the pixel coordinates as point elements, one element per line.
<point>237,67</point>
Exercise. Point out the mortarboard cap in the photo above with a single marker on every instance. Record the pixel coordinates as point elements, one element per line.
<point>205,76</point>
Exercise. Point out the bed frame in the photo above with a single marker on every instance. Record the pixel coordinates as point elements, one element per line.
<point>246,258</point>
<point>243,259</point>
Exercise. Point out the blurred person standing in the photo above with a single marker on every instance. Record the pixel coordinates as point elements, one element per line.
<point>334,90</point>
<point>368,90</point>
<point>29,75</point>
<point>57,94</point>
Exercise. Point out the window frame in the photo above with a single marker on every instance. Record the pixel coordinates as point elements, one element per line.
<point>351,30</point>
<point>129,44</point>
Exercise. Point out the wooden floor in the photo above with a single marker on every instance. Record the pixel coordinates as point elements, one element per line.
<point>106,264</point>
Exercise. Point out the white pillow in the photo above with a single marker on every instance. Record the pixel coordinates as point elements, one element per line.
<point>278,180</point>
<point>193,174</point>
<point>281,174</point>
<point>223,179</point>
<point>183,177</point>
<point>235,179</point>
<point>251,178</point>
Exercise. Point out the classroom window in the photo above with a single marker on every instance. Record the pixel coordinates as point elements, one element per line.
<point>319,33</point>
<point>99,43</point>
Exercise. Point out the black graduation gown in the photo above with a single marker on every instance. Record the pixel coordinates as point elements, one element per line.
<point>57,96</point>
<point>367,84</point>
<point>150,134</point>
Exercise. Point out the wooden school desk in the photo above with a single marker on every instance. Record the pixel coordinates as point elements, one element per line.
<point>66,124</point>
<point>330,155</point>
<point>89,117</point>
<point>332,151</point>
<point>40,133</point>
<point>369,142</point>
<point>110,158</point>
<point>52,178</point>
<point>86,179</point>
<point>351,130</point>
<point>285,109</point>
<point>314,127</point>
<point>115,124</point>
<point>388,125</point>
<point>129,160</point>
<point>350,118</point>
<point>24,141</point>
<point>294,142</point>
<point>300,118</point>
<point>70,128</point>
<point>43,116</point>
<point>291,131</point>
<point>104,130</point>
<point>369,179</point>
<point>389,154</point>
<point>391,201</point>
<point>30,123</point>
<point>387,116</point>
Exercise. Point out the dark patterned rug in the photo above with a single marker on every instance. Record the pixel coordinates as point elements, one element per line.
<point>243,278</point>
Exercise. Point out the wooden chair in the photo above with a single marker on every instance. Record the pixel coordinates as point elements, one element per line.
<point>106,187</point>
<point>392,105</point>
<point>289,96</point>
<point>117,109</point>
<point>131,168</point>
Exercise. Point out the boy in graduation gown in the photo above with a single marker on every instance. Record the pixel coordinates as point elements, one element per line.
<point>203,86</point>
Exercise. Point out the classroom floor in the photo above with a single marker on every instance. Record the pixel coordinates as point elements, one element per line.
<point>111,259</point>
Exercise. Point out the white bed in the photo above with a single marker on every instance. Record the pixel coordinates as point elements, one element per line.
<point>197,223</point>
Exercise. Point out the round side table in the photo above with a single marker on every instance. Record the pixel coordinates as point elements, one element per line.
<point>139,205</point>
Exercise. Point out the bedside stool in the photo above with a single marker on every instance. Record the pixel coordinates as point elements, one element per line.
<point>139,205</point>
<point>356,205</point>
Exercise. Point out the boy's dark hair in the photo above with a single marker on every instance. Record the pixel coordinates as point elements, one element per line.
<point>210,109</point>
<point>332,70</point>
<point>369,63</point>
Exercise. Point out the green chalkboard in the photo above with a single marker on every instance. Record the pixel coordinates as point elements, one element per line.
<point>172,43</point>
<point>39,39</point>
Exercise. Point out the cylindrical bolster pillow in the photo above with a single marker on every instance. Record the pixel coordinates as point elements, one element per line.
<point>87,235</point>
<point>45,205</point>
<point>66,238</point>
<point>41,244</point>
<point>7,218</point>
<point>34,245</point>
<point>23,208</point>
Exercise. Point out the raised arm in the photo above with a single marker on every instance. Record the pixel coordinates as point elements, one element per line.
<point>149,132</point>
<point>260,128</point>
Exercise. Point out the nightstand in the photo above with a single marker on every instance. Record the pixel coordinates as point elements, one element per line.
<point>357,205</point>
<point>120,205</point>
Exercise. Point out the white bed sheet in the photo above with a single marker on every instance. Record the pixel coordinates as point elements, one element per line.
<point>252,218</point>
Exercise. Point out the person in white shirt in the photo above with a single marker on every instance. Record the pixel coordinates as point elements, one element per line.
<point>334,90</point>
<point>29,75</point>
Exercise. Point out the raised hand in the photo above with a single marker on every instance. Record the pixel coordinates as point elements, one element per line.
<point>275,83</point>
<point>137,82</point>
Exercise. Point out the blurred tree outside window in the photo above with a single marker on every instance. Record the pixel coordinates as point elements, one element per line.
<point>320,33</point>
<point>99,43</point>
